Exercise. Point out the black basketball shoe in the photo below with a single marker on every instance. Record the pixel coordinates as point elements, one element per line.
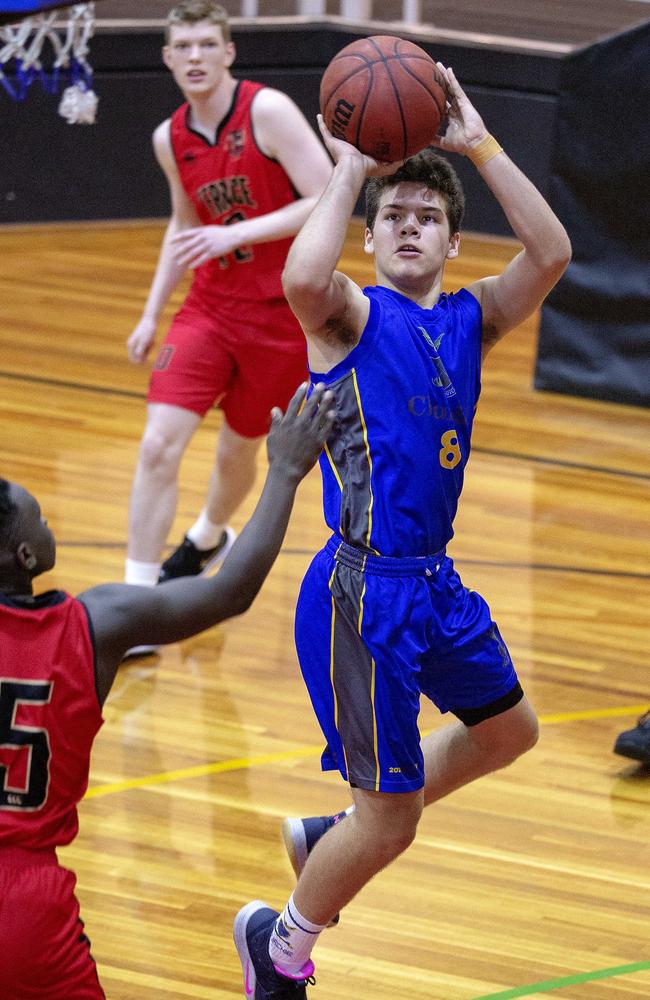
<point>635,743</point>
<point>187,560</point>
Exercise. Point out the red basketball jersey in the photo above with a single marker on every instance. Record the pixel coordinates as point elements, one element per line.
<point>49,717</point>
<point>228,181</point>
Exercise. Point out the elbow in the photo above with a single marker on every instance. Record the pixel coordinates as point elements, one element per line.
<point>240,602</point>
<point>565,251</point>
<point>562,253</point>
<point>301,287</point>
<point>556,259</point>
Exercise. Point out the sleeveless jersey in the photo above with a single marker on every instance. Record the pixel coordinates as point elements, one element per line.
<point>49,716</point>
<point>405,400</point>
<point>228,181</point>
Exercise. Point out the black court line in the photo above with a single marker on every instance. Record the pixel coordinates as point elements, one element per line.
<point>477,449</point>
<point>79,386</point>
<point>561,463</point>
<point>494,564</point>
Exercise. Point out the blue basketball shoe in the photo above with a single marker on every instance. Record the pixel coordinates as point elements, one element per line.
<point>262,981</point>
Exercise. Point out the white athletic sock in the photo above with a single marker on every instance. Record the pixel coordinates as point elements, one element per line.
<point>205,533</point>
<point>144,574</point>
<point>291,947</point>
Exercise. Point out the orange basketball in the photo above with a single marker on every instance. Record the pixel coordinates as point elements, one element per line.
<point>385,96</point>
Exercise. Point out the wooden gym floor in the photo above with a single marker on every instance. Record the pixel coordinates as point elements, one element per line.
<point>534,880</point>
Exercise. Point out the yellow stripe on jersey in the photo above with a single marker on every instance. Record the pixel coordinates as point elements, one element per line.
<point>368,456</point>
<point>333,467</point>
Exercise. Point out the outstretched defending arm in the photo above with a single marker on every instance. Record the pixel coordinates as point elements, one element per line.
<point>123,615</point>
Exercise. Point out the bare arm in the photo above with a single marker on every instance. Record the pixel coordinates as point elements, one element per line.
<point>283,134</point>
<point>123,615</point>
<point>512,296</point>
<point>324,300</point>
<point>168,271</point>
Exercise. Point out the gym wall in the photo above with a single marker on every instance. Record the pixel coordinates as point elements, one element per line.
<point>595,327</point>
<point>57,171</point>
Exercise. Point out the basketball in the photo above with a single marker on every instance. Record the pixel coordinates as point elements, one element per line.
<point>385,96</point>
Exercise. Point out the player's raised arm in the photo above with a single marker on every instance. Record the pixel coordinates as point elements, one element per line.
<point>318,294</point>
<point>124,615</point>
<point>510,297</point>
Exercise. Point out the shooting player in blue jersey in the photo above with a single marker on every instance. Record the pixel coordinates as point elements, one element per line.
<point>382,615</point>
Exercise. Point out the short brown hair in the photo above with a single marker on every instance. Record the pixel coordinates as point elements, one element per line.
<point>426,168</point>
<point>192,11</point>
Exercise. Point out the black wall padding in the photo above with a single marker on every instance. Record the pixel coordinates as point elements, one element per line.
<point>595,330</point>
<point>52,170</point>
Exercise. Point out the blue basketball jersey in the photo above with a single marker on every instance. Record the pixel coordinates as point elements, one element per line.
<point>405,401</point>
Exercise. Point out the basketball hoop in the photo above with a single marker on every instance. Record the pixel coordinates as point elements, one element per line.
<point>26,42</point>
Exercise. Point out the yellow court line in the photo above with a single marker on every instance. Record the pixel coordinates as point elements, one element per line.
<point>200,770</point>
<point>595,713</point>
<point>245,763</point>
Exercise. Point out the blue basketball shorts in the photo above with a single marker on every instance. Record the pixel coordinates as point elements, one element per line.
<point>373,633</point>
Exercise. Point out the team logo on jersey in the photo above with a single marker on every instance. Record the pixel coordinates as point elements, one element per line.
<point>442,380</point>
<point>223,195</point>
<point>235,142</point>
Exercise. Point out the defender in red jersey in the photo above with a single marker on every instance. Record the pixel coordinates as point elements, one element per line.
<point>244,170</point>
<point>58,659</point>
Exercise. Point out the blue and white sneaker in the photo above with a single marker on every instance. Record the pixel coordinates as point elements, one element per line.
<point>262,980</point>
<point>300,836</point>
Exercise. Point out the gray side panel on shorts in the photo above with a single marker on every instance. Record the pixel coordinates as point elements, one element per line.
<point>353,680</point>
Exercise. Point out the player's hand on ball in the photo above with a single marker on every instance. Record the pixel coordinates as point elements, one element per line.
<point>338,148</point>
<point>296,439</point>
<point>465,127</point>
<point>193,247</point>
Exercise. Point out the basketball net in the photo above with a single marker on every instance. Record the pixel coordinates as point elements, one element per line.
<point>25,44</point>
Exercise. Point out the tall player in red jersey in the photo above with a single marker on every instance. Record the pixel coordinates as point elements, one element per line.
<point>58,659</point>
<point>244,170</point>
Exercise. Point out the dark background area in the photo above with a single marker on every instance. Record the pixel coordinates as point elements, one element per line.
<point>107,170</point>
<point>564,87</point>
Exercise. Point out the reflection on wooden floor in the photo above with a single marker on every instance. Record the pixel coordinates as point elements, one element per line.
<point>539,873</point>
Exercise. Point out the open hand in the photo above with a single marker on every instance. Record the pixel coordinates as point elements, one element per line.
<point>296,439</point>
<point>338,148</point>
<point>193,247</point>
<point>465,127</point>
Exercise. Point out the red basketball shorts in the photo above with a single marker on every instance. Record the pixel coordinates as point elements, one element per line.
<point>245,362</point>
<point>45,954</point>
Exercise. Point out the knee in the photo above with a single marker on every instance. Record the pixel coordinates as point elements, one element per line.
<point>393,834</point>
<point>160,451</point>
<point>515,742</point>
<point>394,842</point>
